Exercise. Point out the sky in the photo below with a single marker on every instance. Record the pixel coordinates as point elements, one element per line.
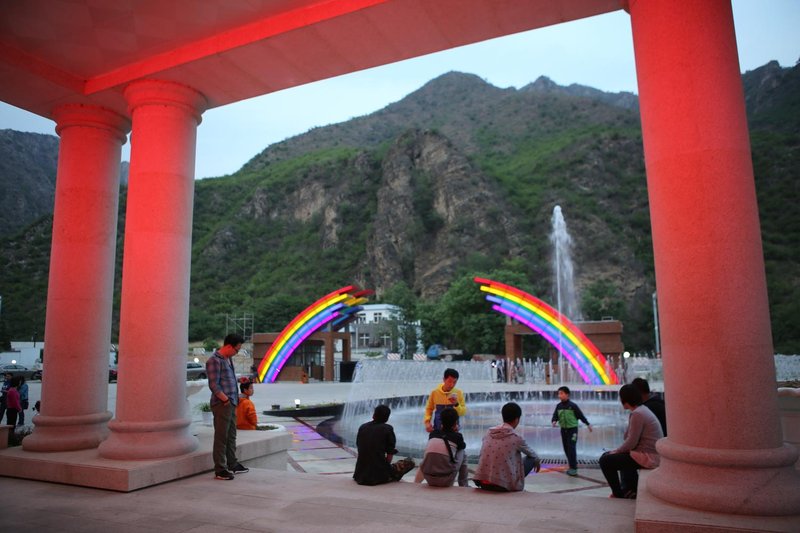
<point>597,52</point>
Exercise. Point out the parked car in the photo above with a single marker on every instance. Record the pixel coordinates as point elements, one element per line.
<point>17,370</point>
<point>112,374</point>
<point>195,371</point>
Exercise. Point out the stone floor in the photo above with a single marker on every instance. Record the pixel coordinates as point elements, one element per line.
<point>316,493</point>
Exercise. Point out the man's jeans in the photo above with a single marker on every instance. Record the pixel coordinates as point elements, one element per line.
<point>528,463</point>
<point>224,452</point>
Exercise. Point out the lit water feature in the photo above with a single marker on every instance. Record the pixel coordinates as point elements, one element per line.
<point>563,271</point>
<point>404,386</point>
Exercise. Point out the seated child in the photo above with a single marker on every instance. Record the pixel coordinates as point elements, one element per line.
<point>246,417</point>
<point>445,455</point>
<point>500,467</point>
<point>376,447</point>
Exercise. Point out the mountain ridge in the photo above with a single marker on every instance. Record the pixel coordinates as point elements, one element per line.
<point>381,200</point>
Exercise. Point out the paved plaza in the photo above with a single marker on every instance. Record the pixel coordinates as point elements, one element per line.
<point>315,492</point>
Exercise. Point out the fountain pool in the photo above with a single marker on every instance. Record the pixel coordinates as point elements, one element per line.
<point>404,386</point>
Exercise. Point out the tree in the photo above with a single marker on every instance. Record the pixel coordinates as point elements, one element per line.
<point>462,319</point>
<point>210,344</point>
<point>403,323</point>
<point>601,299</point>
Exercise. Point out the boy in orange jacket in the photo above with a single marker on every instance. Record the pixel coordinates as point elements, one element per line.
<point>246,417</point>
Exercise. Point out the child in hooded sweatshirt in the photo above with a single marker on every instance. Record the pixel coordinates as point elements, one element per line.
<point>501,467</point>
<point>445,455</point>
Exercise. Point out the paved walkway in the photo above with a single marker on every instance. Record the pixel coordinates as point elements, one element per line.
<point>266,500</point>
<point>315,493</point>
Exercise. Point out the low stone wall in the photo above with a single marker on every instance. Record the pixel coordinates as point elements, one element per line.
<point>789,406</point>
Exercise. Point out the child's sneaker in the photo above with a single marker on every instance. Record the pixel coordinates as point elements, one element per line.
<point>572,472</point>
<point>224,475</point>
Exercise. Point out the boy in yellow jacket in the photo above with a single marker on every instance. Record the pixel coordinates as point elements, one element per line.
<point>445,395</point>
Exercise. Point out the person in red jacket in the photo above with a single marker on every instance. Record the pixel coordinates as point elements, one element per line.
<point>246,417</point>
<point>13,404</point>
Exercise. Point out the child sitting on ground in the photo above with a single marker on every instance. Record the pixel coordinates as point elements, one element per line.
<point>376,447</point>
<point>501,467</point>
<point>445,455</point>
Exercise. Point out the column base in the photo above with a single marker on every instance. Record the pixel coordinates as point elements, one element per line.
<point>67,433</point>
<point>743,482</point>
<point>148,440</point>
<point>654,515</point>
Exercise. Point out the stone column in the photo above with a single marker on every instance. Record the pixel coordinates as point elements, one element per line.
<point>151,415</point>
<point>81,283</point>
<point>724,452</point>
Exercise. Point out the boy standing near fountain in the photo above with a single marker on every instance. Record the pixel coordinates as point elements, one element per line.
<point>445,395</point>
<point>566,415</point>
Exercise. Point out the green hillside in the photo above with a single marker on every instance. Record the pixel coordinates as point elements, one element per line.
<point>458,178</point>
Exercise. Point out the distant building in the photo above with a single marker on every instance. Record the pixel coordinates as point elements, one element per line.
<point>377,330</point>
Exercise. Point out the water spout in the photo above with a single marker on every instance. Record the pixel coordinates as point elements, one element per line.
<point>564,282</point>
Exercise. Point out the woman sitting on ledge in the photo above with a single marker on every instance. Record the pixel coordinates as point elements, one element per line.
<point>637,451</point>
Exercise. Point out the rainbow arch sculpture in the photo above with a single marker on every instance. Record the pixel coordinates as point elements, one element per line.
<point>557,329</point>
<point>337,308</point>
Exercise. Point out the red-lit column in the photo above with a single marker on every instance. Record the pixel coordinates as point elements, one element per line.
<point>151,413</point>
<point>724,452</point>
<point>77,335</point>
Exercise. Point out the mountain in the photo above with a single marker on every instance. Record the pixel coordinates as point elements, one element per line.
<point>456,178</point>
<point>28,164</point>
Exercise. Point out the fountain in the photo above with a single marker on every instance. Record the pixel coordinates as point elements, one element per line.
<point>405,385</point>
<point>563,272</point>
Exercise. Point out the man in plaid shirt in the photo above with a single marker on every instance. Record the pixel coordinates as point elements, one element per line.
<point>224,398</point>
